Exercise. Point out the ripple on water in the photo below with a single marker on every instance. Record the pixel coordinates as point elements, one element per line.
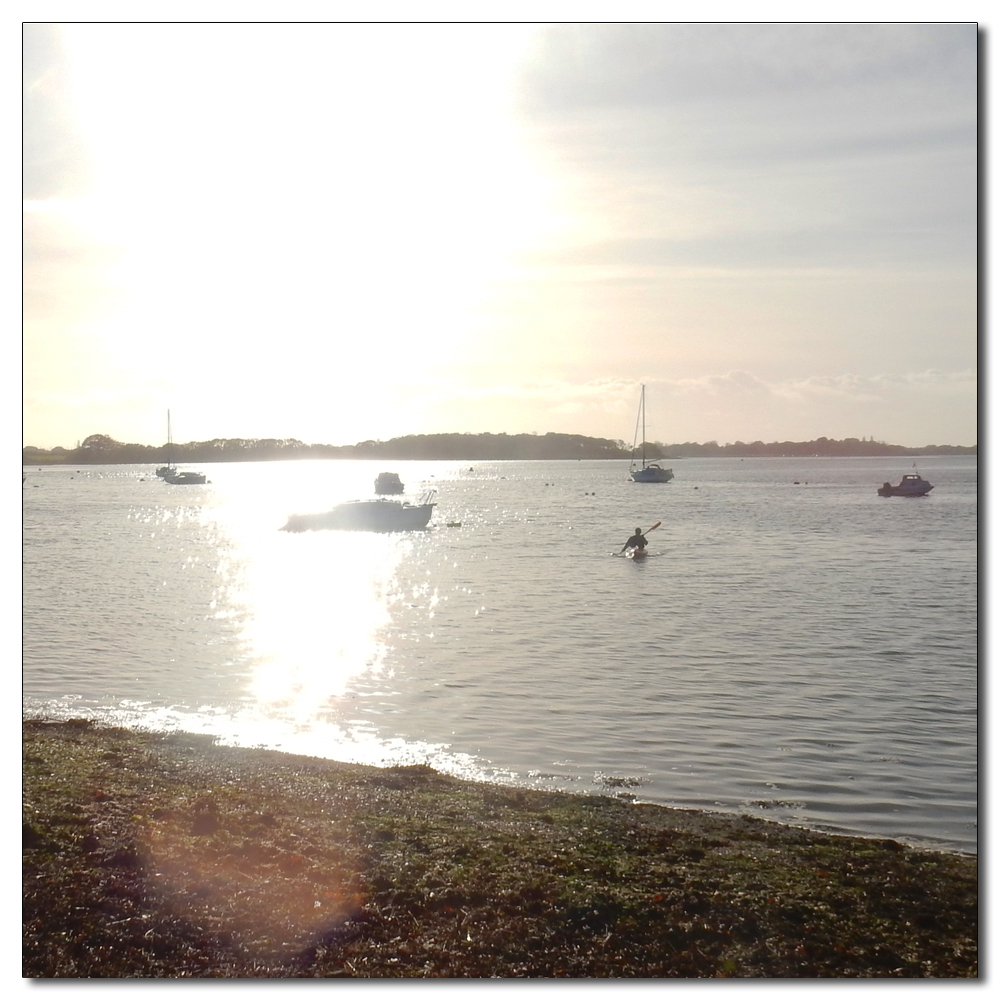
<point>805,652</point>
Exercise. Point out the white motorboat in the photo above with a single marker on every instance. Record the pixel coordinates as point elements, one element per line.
<point>649,472</point>
<point>368,515</point>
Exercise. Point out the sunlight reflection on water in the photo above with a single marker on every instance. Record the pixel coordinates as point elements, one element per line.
<point>313,608</point>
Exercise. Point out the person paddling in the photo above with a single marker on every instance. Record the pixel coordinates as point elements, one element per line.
<point>637,541</point>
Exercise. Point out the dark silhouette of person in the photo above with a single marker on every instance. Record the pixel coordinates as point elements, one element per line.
<point>637,541</point>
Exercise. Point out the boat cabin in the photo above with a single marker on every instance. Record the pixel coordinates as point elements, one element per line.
<point>388,482</point>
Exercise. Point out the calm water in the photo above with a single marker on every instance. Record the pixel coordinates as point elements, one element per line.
<point>795,648</point>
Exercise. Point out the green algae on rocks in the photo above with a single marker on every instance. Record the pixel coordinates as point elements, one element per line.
<point>168,856</point>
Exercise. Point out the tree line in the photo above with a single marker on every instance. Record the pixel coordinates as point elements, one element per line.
<point>100,449</point>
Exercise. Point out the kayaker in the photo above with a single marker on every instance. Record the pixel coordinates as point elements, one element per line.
<point>637,541</point>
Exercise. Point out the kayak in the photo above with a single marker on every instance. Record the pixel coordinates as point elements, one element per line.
<point>635,553</point>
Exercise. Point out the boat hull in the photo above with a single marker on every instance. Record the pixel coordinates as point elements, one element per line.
<point>895,491</point>
<point>365,515</point>
<point>651,474</point>
<point>635,553</point>
<point>185,478</point>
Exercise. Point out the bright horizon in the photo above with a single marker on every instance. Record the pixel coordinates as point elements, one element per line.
<point>627,442</point>
<point>342,232</point>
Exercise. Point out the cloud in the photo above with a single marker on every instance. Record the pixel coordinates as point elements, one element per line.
<point>878,386</point>
<point>736,383</point>
<point>588,65</point>
<point>56,159</point>
<point>818,247</point>
<point>759,145</point>
<point>908,408</point>
<point>743,384</point>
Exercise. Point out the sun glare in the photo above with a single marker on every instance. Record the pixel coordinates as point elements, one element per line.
<point>313,609</point>
<point>286,196</point>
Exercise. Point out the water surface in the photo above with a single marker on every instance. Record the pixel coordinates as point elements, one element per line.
<point>795,647</point>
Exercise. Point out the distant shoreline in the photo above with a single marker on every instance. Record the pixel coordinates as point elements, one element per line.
<point>99,449</point>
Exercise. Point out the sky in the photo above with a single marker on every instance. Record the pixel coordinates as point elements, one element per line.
<point>346,231</point>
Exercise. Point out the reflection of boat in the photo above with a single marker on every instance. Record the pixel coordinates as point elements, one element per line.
<point>651,473</point>
<point>911,485</point>
<point>388,482</point>
<point>367,515</point>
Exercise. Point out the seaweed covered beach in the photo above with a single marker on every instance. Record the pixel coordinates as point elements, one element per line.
<point>168,856</point>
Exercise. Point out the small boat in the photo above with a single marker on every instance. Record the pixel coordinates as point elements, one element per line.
<point>368,515</point>
<point>635,553</point>
<point>169,474</point>
<point>911,485</point>
<point>176,478</point>
<point>649,472</point>
<point>388,482</point>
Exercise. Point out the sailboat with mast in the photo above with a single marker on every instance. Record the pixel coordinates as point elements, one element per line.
<point>169,474</point>
<point>164,471</point>
<point>649,472</point>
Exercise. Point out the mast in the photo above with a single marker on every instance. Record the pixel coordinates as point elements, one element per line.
<point>644,426</point>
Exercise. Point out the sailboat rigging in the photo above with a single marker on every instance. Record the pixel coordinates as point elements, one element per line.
<point>169,474</point>
<point>169,469</point>
<point>651,472</point>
